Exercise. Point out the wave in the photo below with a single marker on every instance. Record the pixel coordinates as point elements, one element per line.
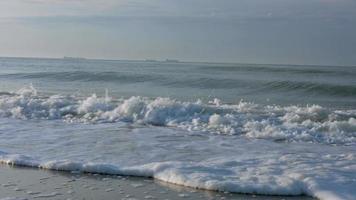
<point>280,123</point>
<point>314,88</point>
<point>249,176</point>
<point>304,70</point>
<point>208,83</point>
<point>86,76</point>
<point>245,86</point>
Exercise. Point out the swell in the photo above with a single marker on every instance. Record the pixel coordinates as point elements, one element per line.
<point>85,76</point>
<point>310,88</point>
<point>124,77</point>
<point>313,88</point>
<point>209,83</point>
<point>249,86</point>
<point>303,70</point>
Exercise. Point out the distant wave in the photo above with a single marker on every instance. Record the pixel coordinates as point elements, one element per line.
<point>83,76</point>
<point>306,87</point>
<point>313,88</point>
<point>289,123</point>
<point>281,69</point>
<point>131,78</point>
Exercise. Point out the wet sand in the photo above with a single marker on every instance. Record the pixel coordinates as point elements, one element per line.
<point>29,183</point>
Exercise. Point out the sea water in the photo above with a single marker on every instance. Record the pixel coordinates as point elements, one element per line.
<point>247,128</point>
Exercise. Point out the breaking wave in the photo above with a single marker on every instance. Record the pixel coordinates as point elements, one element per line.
<point>281,123</point>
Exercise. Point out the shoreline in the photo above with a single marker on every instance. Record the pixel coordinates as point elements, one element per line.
<point>18,182</point>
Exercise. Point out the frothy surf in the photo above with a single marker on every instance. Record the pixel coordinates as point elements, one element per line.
<point>244,147</point>
<point>329,177</point>
<point>283,123</point>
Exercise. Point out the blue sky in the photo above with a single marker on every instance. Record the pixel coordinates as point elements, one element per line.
<point>253,31</point>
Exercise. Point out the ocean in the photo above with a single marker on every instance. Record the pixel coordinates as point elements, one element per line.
<point>245,128</point>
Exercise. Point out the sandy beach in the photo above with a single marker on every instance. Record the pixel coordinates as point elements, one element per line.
<point>28,183</point>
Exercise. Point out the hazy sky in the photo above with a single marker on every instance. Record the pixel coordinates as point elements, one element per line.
<point>255,31</point>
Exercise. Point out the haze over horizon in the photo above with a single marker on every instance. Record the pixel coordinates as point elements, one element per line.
<point>320,32</point>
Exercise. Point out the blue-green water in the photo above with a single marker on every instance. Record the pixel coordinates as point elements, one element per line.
<point>294,132</point>
<point>264,84</point>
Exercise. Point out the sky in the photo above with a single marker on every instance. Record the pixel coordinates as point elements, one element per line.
<point>320,32</point>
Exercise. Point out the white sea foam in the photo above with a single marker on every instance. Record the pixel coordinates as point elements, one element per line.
<point>209,146</point>
<point>291,123</point>
<point>328,177</point>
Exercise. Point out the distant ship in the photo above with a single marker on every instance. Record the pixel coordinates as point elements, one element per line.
<point>73,58</point>
<point>150,60</point>
<point>172,60</point>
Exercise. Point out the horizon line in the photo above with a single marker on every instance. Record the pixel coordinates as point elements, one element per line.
<point>168,60</point>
